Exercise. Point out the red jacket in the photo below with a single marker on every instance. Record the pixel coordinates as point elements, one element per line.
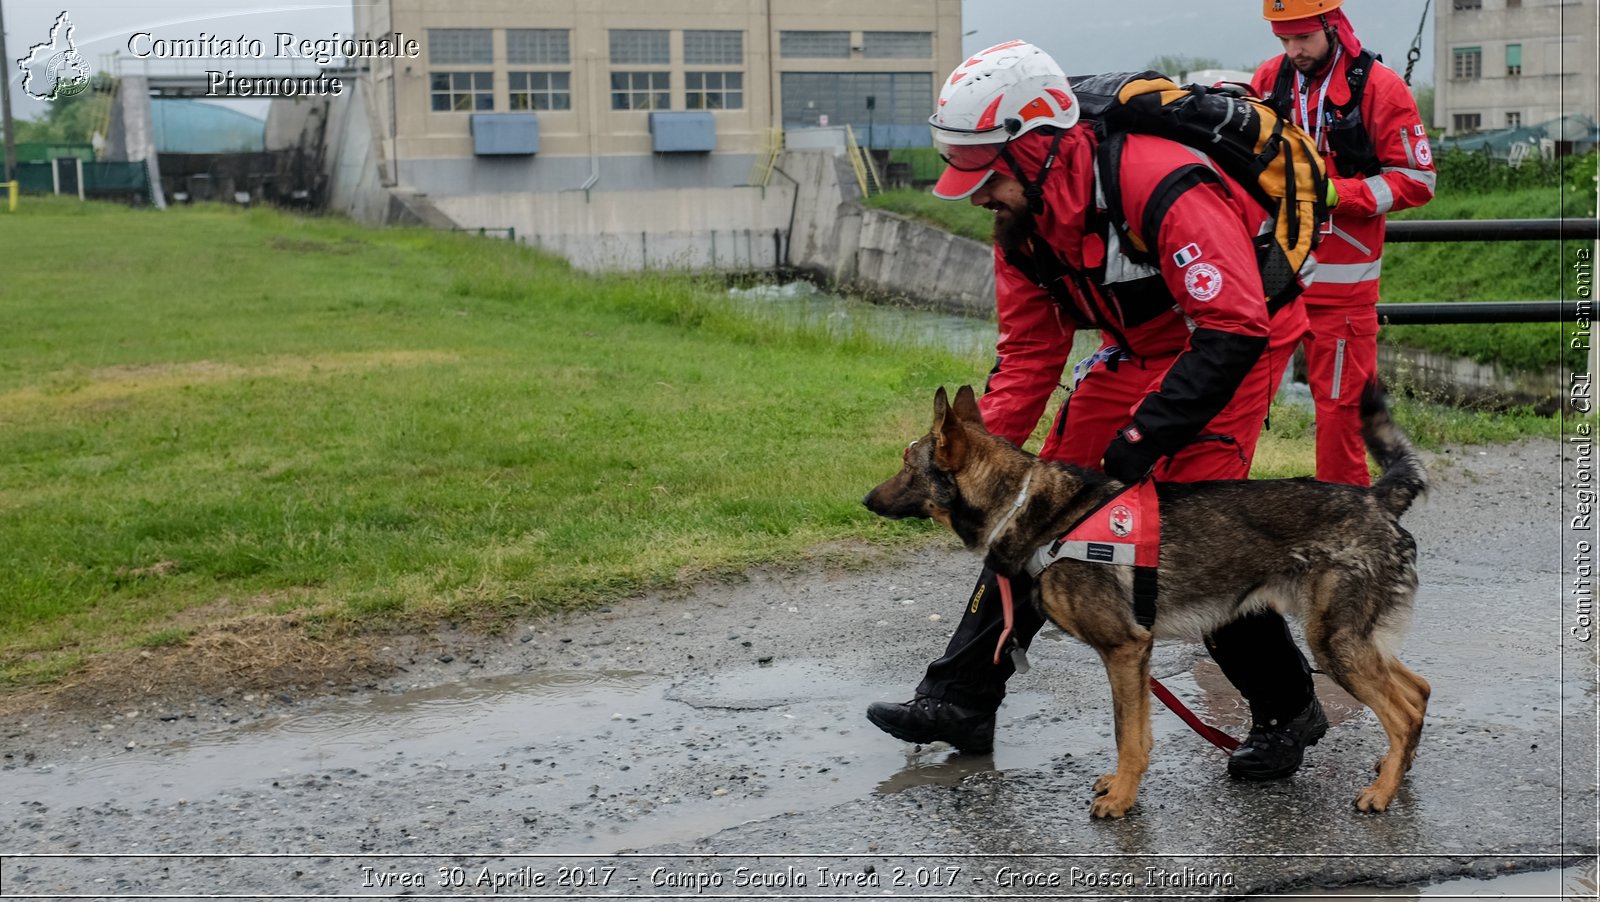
<point>1201,300</point>
<point>1399,173</point>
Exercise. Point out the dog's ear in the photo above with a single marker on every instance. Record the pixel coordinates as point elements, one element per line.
<point>949,438</point>
<point>967,405</point>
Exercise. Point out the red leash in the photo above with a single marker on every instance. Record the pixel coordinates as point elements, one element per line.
<point>1211,734</point>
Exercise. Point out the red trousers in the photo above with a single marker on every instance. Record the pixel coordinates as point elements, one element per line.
<point>1341,358</point>
<point>1104,401</point>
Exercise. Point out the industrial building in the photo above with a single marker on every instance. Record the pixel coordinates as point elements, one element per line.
<point>1505,64</point>
<point>617,120</point>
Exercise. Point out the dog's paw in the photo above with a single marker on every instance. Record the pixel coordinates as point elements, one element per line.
<point>1113,797</point>
<point>1111,804</point>
<point>1373,799</point>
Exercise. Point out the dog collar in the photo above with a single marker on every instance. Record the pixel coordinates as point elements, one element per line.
<point>1022,498</point>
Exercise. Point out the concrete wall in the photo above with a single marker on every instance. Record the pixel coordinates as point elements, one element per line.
<point>900,257</point>
<point>133,135</point>
<point>1460,380</point>
<point>856,248</point>
<point>357,173</point>
<point>295,122</point>
<point>540,174</point>
<point>706,228</point>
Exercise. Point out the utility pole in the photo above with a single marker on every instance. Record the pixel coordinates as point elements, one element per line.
<point>6,121</point>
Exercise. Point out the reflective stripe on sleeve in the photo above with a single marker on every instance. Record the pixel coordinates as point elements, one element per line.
<point>1405,139</point>
<point>1349,273</point>
<point>1426,177</point>
<point>1382,195</point>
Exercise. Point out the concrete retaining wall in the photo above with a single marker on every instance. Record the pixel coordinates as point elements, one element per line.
<point>706,228</point>
<point>357,174</point>
<point>1459,380</point>
<point>901,257</point>
<point>856,248</point>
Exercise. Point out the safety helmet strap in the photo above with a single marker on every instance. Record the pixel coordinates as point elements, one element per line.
<point>1034,190</point>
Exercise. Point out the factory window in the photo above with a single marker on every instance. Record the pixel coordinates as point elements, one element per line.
<point>713,48</point>
<point>460,46</point>
<point>917,45</point>
<point>640,91</point>
<point>1466,62</point>
<point>1466,122</point>
<point>639,46</point>
<point>462,91</point>
<point>886,109</point>
<point>541,90</point>
<point>713,90</point>
<point>538,46</point>
<point>814,44</point>
<point>1513,59</point>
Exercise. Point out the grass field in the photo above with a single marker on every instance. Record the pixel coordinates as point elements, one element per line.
<point>209,413</point>
<point>1457,271</point>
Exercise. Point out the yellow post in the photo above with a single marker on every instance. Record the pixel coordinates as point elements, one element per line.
<point>11,192</point>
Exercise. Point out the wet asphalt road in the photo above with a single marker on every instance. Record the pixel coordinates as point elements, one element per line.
<point>713,745</point>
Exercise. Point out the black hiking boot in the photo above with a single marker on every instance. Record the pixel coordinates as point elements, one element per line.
<point>924,720</point>
<point>1274,749</point>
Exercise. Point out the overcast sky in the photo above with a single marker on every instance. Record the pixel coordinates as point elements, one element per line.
<point>1098,36</point>
<point>1083,35</point>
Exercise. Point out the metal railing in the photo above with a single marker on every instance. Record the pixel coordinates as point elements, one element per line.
<point>509,231</point>
<point>767,158</point>
<point>861,161</point>
<point>1441,312</point>
<point>1416,230</point>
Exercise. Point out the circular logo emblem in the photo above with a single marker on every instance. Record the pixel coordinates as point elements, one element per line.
<point>1424,152</point>
<point>1121,520</point>
<point>68,73</point>
<point>1203,281</point>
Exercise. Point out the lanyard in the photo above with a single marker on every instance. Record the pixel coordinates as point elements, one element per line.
<point>1314,126</point>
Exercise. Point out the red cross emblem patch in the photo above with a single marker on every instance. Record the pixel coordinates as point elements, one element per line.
<point>1121,520</point>
<point>1203,281</point>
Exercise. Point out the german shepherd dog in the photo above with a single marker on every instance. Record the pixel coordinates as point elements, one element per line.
<point>1334,555</point>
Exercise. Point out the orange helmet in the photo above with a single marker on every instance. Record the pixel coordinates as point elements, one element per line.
<point>1285,10</point>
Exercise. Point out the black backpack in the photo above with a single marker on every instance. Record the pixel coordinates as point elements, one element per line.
<point>1274,160</point>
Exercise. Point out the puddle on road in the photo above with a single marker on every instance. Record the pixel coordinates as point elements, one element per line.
<point>637,756</point>
<point>617,760</point>
<point>464,722</point>
<point>1566,883</point>
<point>627,759</point>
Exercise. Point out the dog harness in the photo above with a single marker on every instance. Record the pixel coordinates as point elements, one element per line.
<point>1125,530</point>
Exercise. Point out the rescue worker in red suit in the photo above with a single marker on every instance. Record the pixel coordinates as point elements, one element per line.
<point>1179,388</point>
<point>1366,122</point>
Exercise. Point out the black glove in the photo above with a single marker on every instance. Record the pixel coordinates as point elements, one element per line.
<point>1129,459</point>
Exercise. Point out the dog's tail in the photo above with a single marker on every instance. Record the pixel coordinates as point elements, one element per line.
<point>1404,477</point>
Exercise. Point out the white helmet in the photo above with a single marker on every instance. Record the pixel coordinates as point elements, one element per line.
<point>998,94</point>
